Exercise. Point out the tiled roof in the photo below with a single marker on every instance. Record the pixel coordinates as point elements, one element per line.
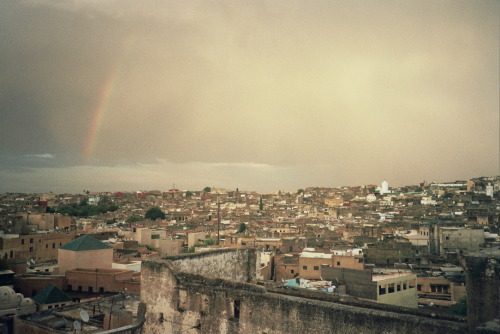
<point>85,243</point>
<point>50,295</point>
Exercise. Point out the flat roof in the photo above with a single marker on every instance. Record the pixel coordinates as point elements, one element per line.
<point>376,278</point>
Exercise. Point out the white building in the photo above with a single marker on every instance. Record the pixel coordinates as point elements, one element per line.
<point>385,187</point>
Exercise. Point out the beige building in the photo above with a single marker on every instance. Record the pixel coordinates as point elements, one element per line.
<point>397,288</point>
<point>85,252</point>
<point>41,247</point>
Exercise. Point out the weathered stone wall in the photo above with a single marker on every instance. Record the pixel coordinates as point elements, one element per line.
<point>190,303</point>
<point>482,275</point>
<point>237,265</point>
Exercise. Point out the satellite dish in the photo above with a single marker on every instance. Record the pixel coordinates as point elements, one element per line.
<point>33,260</point>
<point>57,227</point>
<point>28,263</point>
<point>84,315</point>
<point>77,325</point>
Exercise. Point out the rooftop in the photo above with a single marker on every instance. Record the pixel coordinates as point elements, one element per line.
<point>85,243</point>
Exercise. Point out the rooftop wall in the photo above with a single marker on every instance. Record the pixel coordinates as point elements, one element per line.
<point>237,265</point>
<point>189,302</point>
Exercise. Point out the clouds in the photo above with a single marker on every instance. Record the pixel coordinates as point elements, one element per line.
<point>320,88</point>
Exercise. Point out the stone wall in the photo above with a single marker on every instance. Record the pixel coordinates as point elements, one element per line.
<point>238,265</point>
<point>483,284</point>
<point>188,302</point>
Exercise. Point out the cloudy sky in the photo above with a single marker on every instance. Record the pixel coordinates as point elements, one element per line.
<point>260,95</point>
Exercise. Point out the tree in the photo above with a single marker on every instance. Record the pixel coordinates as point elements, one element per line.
<point>261,206</point>
<point>207,189</point>
<point>300,191</point>
<point>243,228</point>
<point>154,213</point>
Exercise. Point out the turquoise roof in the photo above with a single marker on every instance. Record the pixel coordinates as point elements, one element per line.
<point>51,295</point>
<point>85,243</point>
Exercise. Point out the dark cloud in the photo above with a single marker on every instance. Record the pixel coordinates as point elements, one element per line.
<point>336,92</point>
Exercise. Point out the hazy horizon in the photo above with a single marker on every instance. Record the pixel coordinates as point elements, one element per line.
<point>123,95</point>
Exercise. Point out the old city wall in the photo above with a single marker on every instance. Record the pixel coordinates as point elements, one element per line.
<point>179,301</point>
<point>237,265</point>
<point>483,297</point>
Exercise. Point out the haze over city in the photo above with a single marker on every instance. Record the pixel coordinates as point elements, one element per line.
<point>124,95</point>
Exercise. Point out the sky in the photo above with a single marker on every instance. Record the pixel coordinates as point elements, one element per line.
<point>123,95</point>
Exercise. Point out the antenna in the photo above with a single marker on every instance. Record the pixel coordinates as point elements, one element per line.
<point>84,316</point>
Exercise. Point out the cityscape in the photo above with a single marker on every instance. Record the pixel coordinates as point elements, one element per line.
<point>234,167</point>
<point>415,259</point>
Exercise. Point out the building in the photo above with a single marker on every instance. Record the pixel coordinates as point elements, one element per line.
<point>85,252</point>
<point>119,314</point>
<point>102,280</point>
<point>51,297</point>
<point>394,288</point>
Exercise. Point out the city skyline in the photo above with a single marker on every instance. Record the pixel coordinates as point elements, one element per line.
<point>110,96</point>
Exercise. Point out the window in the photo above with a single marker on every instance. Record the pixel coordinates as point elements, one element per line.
<point>316,268</point>
<point>236,309</point>
<point>79,288</point>
<point>101,289</point>
<point>70,287</point>
<point>338,263</point>
<point>390,288</point>
<point>304,267</point>
<point>291,271</point>
<point>404,285</point>
<point>381,290</point>
<point>91,289</point>
<point>31,240</point>
<point>46,245</point>
<point>31,249</point>
<point>22,241</point>
<point>53,245</point>
<point>398,286</point>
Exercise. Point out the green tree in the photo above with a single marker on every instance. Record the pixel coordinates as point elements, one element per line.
<point>261,206</point>
<point>300,191</point>
<point>243,228</point>
<point>154,213</point>
<point>207,189</point>
<point>133,219</point>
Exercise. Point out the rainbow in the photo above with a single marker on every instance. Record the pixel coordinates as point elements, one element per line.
<point>102,104</point>
<point>98,115</point>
